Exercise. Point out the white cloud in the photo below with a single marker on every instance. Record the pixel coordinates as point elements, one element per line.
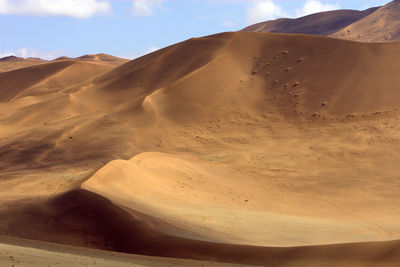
<point>142,8</point>
<point>72,8</point>
<point>314,6</point>
<point>30,52</point>
<point>264,10</point>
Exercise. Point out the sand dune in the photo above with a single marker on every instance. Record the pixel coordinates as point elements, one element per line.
<point>381,25</point>
<point>213,203</point>
<point>239,147</point>
<point>97,58</point>
<point>323,23</point>
<point>12,62</point>
<point>46,78</point>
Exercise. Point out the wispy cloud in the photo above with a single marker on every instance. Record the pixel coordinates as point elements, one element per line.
<point>143,8</point>
<point>31,52</point>
<point>71,8</point>
<point>260,11</point>
<point>314,6</point>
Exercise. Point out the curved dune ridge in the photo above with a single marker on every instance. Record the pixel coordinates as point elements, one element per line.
<point>215,204</point>
<point>238,147</point>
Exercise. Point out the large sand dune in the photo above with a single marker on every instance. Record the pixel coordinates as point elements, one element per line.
<point>378,24</point>
<point>239,147</point>
<point>322,23</point>
<point>381,25</point>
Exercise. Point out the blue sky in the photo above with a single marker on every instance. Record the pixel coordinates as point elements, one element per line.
<point>131,28</point>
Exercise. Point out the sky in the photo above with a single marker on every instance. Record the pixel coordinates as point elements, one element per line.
<point>132,28</point>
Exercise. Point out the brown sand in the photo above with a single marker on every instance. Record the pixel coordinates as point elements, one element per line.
<point>382,25</point>
<point>379,24</point>
<point>97,58</point>
<point>238,147</point>
<point>322,23</point>
<point>12,63</point>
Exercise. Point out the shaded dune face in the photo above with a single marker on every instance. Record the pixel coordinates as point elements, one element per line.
<point>240,147</point>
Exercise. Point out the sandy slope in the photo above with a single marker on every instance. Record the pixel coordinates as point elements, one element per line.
<point>323,23</point>
<point>372,25</point>
<point>236,138</point>
<point>97,58</point>
<point>12,62</point>
<point>46,78</point>
<point>381,25</point>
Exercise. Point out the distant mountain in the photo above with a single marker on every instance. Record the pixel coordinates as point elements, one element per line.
<point>381,25</point>
<point>377,24</point>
